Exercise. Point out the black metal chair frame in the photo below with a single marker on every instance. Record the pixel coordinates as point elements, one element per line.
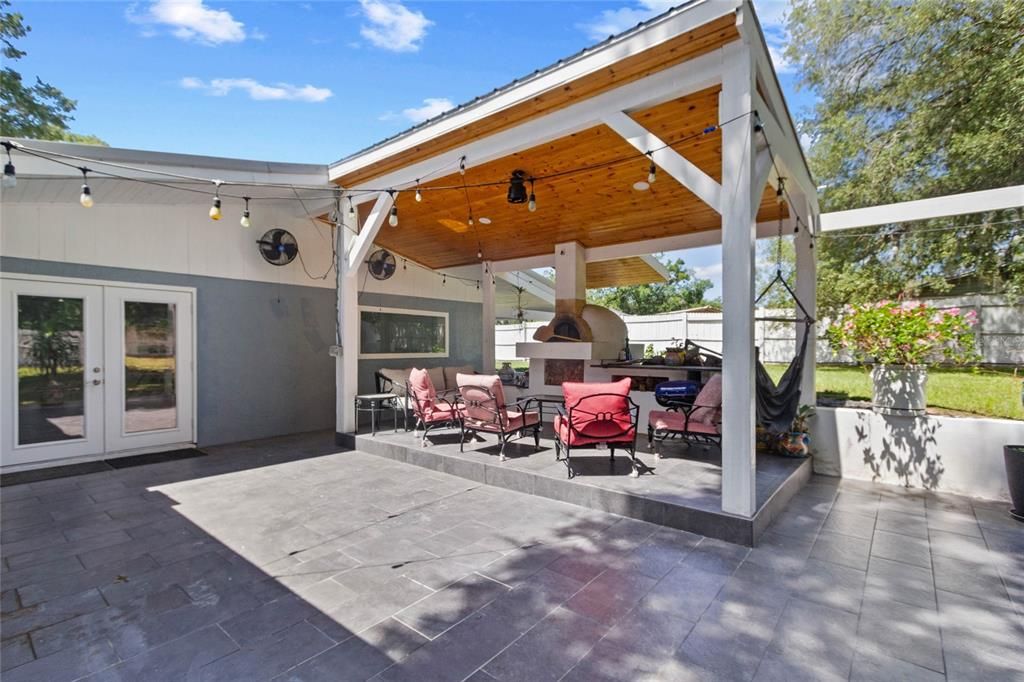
<point>632,410</point>
<point>503,435</point>
<point>657,436</point>
<point>427,428</point>
<point>386,385</point>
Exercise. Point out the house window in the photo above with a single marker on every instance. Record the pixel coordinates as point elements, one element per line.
<point>393,332</point>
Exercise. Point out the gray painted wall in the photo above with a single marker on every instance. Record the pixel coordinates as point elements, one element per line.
<point>263,367</point>
<point>465,329</point>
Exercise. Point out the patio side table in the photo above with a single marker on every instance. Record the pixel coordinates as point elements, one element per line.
<point>374,403</point>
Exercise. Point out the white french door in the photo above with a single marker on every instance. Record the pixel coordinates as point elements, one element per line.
<point>90,369</point>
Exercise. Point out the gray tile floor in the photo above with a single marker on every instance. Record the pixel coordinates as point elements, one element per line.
<point>282,560</point>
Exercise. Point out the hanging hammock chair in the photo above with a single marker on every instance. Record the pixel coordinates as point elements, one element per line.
<point>777,404</point>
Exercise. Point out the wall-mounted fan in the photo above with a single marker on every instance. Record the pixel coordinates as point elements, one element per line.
<point>381,264</point>
<point>278,247</point>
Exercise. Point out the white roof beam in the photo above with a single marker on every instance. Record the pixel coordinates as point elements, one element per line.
<point>363,242</point>
<point>529,285</point>
<point>925,209</point>
<point>672,162</point>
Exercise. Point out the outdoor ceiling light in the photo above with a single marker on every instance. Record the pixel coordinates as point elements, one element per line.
<point>485,221</point>
<point>641,186</point>
<point>517,188</point>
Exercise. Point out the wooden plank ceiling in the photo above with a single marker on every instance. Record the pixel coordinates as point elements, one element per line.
<point>596,207</point>
<point>621,272</point>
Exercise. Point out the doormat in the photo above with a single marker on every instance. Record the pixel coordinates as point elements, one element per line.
<point>66,470</point>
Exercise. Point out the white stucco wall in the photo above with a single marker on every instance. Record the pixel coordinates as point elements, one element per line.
<point>950,454</point>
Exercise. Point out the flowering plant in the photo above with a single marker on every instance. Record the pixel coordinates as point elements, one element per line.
<point>895,333</point>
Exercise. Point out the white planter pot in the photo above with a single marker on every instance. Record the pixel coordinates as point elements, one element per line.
<point>899,389</point>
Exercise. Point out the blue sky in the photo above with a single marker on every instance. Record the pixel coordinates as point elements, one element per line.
<point>309,81</point>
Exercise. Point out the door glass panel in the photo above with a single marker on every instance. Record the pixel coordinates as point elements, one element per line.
<point>150,401</point>
<point>50,372</point>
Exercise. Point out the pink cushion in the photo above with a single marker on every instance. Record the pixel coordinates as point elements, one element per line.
<point>518,419</point>
<point>483,398</point>
<point>574,437</point>
<point>423,391</point>
<point>708,403</point>
<point>439,412</point>
<point>670,420</point>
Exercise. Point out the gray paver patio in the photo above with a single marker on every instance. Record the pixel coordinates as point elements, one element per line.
<point>284,559</point>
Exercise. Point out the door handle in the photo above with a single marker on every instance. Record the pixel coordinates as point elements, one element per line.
<point>97,382</point>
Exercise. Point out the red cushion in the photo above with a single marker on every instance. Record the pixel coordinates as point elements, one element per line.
<point>573,437</point>
<point>483,398</point>
<point>422,389</point>
<point>707,406</point>
<point>599,412</point>
<point>439,412</point>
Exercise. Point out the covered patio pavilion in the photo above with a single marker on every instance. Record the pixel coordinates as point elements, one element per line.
<point>691,92</point>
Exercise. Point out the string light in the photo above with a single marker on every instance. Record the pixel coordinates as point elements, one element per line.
<point>85,199</point>
<point>351,208</point>
<point>393,218</point>
<point>419,194</point>
<point>479,254</point>
<point>652,172</point>
<point>215,213</point>
<point>245,222</point>
<point>10,179</point>
<point>462,165</point>
<point>531,205</point>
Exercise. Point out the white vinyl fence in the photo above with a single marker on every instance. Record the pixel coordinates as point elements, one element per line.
<point>1000,332</point>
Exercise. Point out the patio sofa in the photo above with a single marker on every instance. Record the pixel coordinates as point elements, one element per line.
<point>396,381</point>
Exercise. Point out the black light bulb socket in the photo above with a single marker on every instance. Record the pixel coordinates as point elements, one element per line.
<point>9,168</point>
<point>517,188</point>
<point>216,202</point>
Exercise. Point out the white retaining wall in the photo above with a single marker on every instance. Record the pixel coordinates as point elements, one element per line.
<point>950,454</point>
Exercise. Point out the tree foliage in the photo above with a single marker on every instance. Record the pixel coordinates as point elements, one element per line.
<point>38,110</point>
<point>682,290</point>
<point>918,98</point>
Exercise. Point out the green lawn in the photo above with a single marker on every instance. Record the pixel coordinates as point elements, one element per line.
<point>986,392</point>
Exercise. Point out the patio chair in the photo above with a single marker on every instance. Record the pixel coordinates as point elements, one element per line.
<point>431,411</point>
<point>483,409</point>
<point>698,423</point>
<point>596,416</point>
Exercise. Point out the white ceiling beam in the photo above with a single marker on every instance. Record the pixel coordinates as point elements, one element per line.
<point>363,242</point>
<point>672,162</point>
<point>762,170</point>
<point>595,59</point>
<point>925,209</point>
<point>525,263</point>
<point>690,76</point>
<point>529,285</point>
<point>657,266</point>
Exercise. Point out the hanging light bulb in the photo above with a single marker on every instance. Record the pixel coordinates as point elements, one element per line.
<point>419,194</point>
<point>351,208</point>
<point>444,280</point>
<point>479,254</point>
<point>470,221</point>
<point>652,174</point>
<point>245,222</point>
<point>393,217</point>
<point>462,166</point>
<point>531,205</point>
<point>85,199</point>
<point>405,264</point>
<point>780,192</point>
<point>10,179</point>
<point>215,208</point>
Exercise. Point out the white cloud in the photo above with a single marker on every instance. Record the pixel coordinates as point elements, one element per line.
<point>189,20</point>
<point>432,106</point>
<point>219,87</point>
<point>393,26</point>
<point>712,271</point>
<point>612,21</point>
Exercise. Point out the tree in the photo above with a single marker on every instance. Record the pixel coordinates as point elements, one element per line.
<point>682,290</point>
<point>917,99</point>
<point>39,111</point>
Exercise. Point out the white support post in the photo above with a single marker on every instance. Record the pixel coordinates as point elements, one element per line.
<point>363,242</point>
<point>807,291</point>
<point>347,364</point>
<point>488,318</point>
<point>738,262</point>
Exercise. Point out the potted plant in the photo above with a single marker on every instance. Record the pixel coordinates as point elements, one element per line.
<point>797,443</point>
<point>899,340</point>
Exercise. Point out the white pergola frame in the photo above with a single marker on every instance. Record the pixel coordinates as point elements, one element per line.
<point>740,67</point>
